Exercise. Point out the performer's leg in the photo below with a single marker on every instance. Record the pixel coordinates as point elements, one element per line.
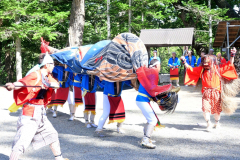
<point>206,116</point>
<point>147,112</point>
<point>55,111</point>
<point>71,103</point>
<point>86,114</point>
<point>119,128</point>
<point>55,147</point>
<point>149,127</point>
<point>106,112</point>
<point>25,133</point>
<point>217,119</point>
<point>177,82</point>
<point>92,117</point>
<point>87,121</point>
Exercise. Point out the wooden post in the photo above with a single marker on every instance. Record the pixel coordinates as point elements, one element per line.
<point>149,52</point>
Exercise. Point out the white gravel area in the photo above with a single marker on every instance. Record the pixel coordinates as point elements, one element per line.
<point>182,138</point>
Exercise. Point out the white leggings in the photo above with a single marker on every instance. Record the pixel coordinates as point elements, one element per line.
<point>106,112</point>
<point>147,112</point>
<point>71,97</point>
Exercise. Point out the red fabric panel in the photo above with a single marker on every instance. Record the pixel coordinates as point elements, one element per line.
<point>90,102</point>
<point>192,75</point>
<point>223,60</point>
<point>148,77</point>
<point>228,71</point>
<point>61,96</point>
<point>28,110</point>
<point>174,72</point>
<point>117,110</point>
<point>78,95</point>
<point>53,96</point>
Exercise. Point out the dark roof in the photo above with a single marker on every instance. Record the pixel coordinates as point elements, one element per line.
<point>167,37</point>
<point>221,35</point>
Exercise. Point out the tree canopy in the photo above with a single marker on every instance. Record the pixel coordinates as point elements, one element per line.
<point>31,19</point>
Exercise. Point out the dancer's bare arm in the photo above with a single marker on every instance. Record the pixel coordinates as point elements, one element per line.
<point>233,52</point>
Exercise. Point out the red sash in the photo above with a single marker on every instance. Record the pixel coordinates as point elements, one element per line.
<point>117,110</point>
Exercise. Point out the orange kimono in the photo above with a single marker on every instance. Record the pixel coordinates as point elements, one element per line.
<point>28,94</point>
<point>211,84</point>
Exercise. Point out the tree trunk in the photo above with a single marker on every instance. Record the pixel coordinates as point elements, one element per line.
<point>1,52</point>
<point>7,64</point>
<point>129,16</point>
<point>18,59</point>
<point>108,20</point>
<point>142,12</point>
<point>210,26</point>
<point>77,20</point>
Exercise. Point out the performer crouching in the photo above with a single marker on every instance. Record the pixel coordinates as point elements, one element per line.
<point>213,79</point>
<point>143,102</point>
<point>113,106</point>
<point>33,126</point>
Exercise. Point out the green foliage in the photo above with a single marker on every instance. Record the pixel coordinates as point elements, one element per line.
<point>31,19</point>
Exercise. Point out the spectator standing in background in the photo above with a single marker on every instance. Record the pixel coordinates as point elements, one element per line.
<point>190,59</point>
<point>211,52</point>
<point>174,63</point>
<point>199,59</point>
<point>155,57</point>
<point>220,59</point>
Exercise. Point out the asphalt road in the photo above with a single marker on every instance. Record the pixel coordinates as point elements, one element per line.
<point>182,138</point>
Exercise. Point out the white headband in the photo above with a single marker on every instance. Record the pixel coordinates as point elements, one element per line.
<point>47,59</point>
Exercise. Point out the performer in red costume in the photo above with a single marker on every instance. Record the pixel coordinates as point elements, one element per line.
<point>213,76</point>
<point>33,127</point>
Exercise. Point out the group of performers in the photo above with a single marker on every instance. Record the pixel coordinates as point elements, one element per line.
<point>53,85</point>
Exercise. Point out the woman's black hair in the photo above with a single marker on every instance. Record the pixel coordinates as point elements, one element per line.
<point>40,60</point>
<point>41,57</point>
<point>192,52</point>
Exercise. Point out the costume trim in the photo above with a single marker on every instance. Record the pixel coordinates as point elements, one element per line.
<point>93,112</point>
<point>118,121</point>
<point>144,95</point>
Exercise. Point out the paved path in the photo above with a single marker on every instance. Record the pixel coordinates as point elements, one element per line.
<point>182,138</point>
